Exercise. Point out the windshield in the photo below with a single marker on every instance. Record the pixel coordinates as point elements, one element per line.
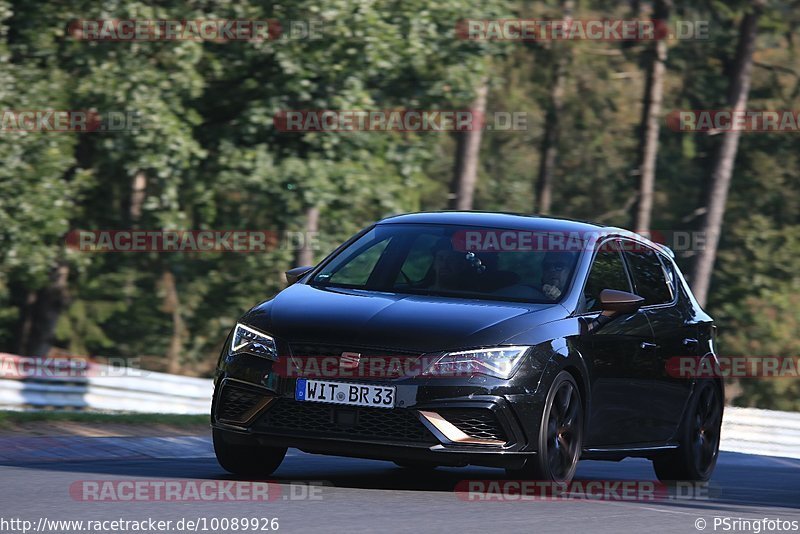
<point>494,264</point>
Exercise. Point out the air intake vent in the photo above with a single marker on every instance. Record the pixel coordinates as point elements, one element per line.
<point>475,422</point>
<point>239,404</point>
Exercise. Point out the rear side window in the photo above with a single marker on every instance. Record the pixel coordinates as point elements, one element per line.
<point>649,279</point>
<point>608,272</point>
<point>669,271</point>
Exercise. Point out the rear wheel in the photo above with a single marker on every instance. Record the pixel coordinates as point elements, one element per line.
<point>696,457</point>
<point>245,459</point>
<point>560,434</point>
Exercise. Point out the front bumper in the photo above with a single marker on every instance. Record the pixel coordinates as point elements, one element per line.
<point>446,423</point>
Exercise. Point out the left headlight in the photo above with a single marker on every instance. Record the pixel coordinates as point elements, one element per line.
<point>248,340</point>
<point>501,362</point>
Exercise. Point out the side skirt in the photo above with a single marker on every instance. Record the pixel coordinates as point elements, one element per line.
<point>619,453</point>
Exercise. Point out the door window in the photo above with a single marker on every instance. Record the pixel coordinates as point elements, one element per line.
<point>608,272</point>
<point>649,278</point>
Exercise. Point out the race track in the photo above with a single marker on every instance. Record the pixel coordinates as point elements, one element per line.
<point>320,494</point>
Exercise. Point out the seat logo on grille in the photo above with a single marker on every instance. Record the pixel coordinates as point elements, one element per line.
<point>349,360</point>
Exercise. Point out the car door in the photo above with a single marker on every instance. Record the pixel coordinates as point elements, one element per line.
<point>618,401</point>
<point>675,337</point>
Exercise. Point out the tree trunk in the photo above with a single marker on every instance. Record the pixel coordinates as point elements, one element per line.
<point>725,156</point>
<point>40,312</point>
<point>24,300</point>
<point>468,146</point>
<point>650,125</point>
<point>172,305</point>
<point>549,147</point>
<point>138,196</point>
<point>305,254</point>
<point>138,193</point>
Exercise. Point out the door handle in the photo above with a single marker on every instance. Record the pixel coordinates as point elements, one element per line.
<point>689,342</point>
<point>647,346</point>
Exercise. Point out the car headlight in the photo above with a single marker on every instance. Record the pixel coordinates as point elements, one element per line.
<point>250,341</point>
<point>501,362</point>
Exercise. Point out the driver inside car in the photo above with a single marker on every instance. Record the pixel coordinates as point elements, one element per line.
<point>448,267</point>
<point>555,273</point>
<point>549,284</point>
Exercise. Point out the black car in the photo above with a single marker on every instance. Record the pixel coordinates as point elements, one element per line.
<point>457,338</point>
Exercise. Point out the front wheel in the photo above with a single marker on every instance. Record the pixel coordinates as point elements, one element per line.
<point>244,459</point>
<point>560,434</point>
<point>696,457</point>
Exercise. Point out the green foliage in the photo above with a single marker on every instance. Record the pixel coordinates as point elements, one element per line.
<point>212,159</point>
<point>766,324</point>
<point>209,153</point>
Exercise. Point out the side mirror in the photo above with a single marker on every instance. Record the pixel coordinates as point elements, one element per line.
<point>613,302</point>
<point>293,275</point>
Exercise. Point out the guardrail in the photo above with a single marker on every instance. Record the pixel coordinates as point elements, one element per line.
<point>105,388</point>
<point>40,384</point>
<point>764,432</point>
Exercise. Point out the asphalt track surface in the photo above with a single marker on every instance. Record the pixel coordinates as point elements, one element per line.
<point>351,495</point>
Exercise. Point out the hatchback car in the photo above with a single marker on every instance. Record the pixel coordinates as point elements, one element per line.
<point>457,338</point>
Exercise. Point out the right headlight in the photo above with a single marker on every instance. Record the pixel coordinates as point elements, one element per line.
<point>501,362</point>
<point>247,340</point>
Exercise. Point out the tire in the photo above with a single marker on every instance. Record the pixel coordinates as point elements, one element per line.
<point>560,435</point>
<point>246,460</point>
<point>696,457</point>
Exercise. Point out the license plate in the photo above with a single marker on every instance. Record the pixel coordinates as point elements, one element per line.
<point>343,393</point>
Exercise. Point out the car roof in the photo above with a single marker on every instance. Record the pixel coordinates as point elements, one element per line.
<point>511,221</point>
<point>517,221</point>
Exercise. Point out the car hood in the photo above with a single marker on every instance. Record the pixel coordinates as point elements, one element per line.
<point>303,313</point>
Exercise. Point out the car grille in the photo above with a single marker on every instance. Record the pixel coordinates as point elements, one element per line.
<point>475,422</point>
<point>378,363</point>
<point>238,404</point>
<point>398,424</point>
<point>314,349</point>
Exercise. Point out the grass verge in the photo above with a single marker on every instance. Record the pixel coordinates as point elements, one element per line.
<point>10,419</point>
